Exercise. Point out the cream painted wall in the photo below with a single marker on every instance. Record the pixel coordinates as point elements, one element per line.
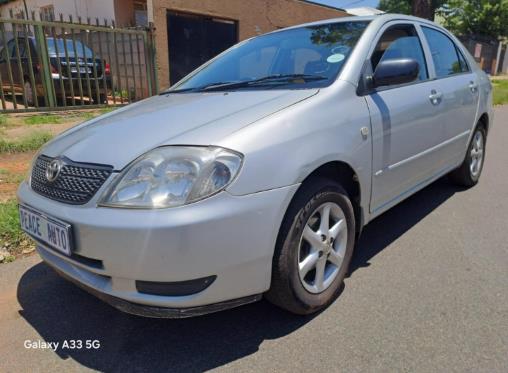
<point>103,9</point>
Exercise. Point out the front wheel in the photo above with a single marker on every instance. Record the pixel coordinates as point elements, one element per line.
<point>314,248</point>
<point>470,170</point>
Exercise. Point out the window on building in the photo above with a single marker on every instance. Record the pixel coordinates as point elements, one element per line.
<point>47,13</point>
<point>140,13</point>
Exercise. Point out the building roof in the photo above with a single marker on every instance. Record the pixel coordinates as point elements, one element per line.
<point>364,11</point>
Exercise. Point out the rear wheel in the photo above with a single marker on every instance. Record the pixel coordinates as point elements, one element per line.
<point>99,99</point>
<point>314,248</point>
<point>470,170</point>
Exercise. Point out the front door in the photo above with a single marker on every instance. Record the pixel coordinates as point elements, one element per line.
<point>407,124</point>
<point>194,39</point>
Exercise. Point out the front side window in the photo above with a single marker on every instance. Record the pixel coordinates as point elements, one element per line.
<point>400,41</point>
<point>303,57</point>
<point>447,58</point>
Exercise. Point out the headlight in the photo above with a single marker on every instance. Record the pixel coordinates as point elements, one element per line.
<point>173,176</point>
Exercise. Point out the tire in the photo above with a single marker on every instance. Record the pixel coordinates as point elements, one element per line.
<point>469,172</point>
<point>292,289</point>
<point>98,100</point>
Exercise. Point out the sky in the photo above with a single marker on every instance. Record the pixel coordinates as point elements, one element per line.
<point>349,3</point>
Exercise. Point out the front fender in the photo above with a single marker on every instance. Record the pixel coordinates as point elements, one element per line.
<point>286,147</point>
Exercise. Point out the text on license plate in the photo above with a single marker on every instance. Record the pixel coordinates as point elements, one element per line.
<point>53,233</point>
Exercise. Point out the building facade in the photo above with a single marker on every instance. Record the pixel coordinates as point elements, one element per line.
<point>187,32</point>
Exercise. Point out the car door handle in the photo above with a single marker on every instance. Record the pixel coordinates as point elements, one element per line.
<point>473,87</point>
<point>435,97</point>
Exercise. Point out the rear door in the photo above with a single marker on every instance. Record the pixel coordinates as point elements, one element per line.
<point>407,125</point>
<point>458,85</point>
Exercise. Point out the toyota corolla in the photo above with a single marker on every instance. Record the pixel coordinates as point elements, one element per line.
<point>254,175</point>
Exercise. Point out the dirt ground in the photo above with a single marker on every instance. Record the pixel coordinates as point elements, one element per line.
<point>14,166</point>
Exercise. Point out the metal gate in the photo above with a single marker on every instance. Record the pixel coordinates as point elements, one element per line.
<point>67,64</point>
<point>194,39</point>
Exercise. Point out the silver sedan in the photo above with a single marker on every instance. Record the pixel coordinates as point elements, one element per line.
<point>254,175</point>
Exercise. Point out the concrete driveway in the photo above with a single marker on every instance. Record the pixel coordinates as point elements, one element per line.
<point>428,291</point>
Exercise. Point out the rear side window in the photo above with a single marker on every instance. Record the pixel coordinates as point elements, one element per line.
<point>447,58</point>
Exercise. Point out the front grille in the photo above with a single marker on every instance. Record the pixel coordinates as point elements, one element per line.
<point>76,184</point>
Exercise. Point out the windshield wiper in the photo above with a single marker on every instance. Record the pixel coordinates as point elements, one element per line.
<point>276,78</point>
<point>194,89</point>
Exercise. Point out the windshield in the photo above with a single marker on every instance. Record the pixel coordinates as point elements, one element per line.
<point>82,50</point>
<point>303,57</point>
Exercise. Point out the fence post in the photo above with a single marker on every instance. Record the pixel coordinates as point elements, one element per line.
<point>498,57</point>
<point>45,65</point>
<point>153,81</point>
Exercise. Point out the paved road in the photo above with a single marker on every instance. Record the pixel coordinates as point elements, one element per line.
<point>428,292</point>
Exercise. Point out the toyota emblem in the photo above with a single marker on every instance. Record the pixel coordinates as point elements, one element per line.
<point>53,169</point>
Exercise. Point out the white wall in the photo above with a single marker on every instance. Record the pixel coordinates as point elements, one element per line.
<point>103,9</point>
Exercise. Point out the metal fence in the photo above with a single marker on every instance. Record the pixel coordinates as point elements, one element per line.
<point>70,64</point>
<point>484,51</point>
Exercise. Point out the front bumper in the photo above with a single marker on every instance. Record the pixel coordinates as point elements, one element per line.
<point>230,237</point>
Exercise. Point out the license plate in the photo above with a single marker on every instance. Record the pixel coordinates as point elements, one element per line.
<point>82,70</point>
<point>45,229</point>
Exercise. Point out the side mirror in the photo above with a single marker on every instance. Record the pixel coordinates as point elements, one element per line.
<point>395,71</point>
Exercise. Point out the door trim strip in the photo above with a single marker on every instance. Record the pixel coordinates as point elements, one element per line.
<point>425,152</point>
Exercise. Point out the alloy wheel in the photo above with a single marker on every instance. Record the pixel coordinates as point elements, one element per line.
<point>477,150</point>
<point>322,247</point>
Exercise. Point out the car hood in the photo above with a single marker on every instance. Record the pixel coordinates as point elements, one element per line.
<point>172,119</point>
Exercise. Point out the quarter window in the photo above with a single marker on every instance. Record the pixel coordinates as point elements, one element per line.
<point>448,60</point>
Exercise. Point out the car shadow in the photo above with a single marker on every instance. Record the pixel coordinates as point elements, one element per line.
<point>60,311</point>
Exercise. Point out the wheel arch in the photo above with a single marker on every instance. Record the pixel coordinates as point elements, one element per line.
<point>343,173</point>
<point>484,120</point>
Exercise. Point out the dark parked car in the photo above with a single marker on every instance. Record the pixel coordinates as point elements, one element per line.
<point>76,62</point>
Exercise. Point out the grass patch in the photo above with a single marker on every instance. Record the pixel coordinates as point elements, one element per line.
<point>3,120</point>
<point>43,119</point>
<point>107,109</point>
<point>10,230</point>
<point>10,177</point>
<point>31,142</point>
<point>500,91</point>
<point>12,239</point>
<point>88,115</point>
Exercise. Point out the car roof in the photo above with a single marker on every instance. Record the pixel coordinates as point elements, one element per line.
<point>380,19</point>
